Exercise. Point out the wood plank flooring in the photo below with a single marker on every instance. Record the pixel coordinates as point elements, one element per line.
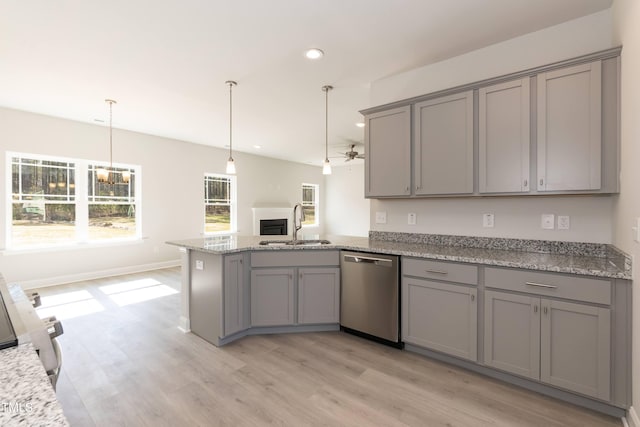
<point>129,365</point>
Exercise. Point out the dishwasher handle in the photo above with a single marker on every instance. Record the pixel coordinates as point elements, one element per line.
<point>383,262</point>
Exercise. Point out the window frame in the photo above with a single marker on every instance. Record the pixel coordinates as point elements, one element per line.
<point>233,204</point>
<point>315,204</point>
<point>80,201</point>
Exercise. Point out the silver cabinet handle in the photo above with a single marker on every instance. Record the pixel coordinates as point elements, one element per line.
<point>541,181</point>
<point>535,308</point>
<point>541,285</point>
<point>368,260</point>
<point>525,183</point>
<point>545,310</point>
<point>437,271</point>
<point>473,297</point>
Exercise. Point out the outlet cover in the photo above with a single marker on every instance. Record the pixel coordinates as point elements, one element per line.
<point>564,222</point>
<point>381,217</point>
<point>487,221</point>
<point>548,221</point>
<point>199,264</point>
<point>411,218</point>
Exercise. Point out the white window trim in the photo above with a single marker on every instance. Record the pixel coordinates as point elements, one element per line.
<point>316,204</point>
<point>81,203</point>
<point>233,187</point>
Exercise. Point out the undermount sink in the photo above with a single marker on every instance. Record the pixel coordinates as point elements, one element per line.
<point>294,242</point>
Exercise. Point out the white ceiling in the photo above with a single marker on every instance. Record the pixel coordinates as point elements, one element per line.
<point>166,61</point>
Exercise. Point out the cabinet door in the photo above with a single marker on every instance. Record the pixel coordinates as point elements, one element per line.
<point>318,295</point>
<point>569,128</point>
<point>387,163</point>
<point>443,141</point>
<point>234,301</point>
<point>503,115</point>
<point>575,347</point>
<point>512,333</point>
<point>441,317</point>
<point>272,297</point>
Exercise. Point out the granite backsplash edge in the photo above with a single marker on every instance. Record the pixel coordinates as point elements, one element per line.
<point>599,250</point>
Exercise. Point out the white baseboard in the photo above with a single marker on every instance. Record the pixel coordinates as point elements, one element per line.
<point>60,280</point>
<point>632,419</point>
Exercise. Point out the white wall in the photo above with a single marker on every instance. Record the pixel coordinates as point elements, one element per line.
<point>514,217</point>
<point>346,209</point>
<point>172,187</point>
<point>626,208</point>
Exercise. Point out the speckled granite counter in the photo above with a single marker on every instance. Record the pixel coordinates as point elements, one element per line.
<point>562,257</point>
<point>26,395</point>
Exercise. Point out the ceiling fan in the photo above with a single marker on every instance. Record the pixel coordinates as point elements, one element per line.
<point>352,154</point>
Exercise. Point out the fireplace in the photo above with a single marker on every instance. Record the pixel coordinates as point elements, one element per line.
<point>273,227</point>
<point>272,221</point>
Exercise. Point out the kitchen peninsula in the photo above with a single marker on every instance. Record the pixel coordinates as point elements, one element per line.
<point>550,316</point>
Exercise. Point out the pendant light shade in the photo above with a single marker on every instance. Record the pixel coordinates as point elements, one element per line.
<point>326,166</point>
<point>106,175</point>
<point>231,164</point>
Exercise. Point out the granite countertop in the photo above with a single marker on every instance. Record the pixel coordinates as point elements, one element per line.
<point>26,395</point>
<point>588,259</point>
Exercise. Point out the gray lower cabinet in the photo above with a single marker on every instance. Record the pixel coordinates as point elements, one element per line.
<point>272,297</point>
<point>235,316</point>
<point>387,165</point>
<point>512,333</point>
<point>443,144</point>
<point>575,347</point>
<point>564,344</point>
<point>318,295</point>
<point>440,316</point>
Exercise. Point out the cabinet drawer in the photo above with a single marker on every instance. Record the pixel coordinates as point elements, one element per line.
<point>548,284</point>
<point>440,270</point>
<point>297,258</point>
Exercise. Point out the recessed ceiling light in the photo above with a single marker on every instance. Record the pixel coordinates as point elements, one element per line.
<point>360,124</point>
<point>257,147</point>
<point>314,53</point>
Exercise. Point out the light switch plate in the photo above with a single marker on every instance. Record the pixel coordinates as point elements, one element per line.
<point>381,217</point>
<point>487,220</point>
<point>411,218</point>
<point>199,264</point>
<point>636,230</point>
<point>564,222</point>
<point>548,221</point>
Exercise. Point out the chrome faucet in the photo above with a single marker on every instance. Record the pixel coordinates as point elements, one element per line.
<point>297,225</point>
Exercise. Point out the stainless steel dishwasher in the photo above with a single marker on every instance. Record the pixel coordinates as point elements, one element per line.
<point>370,303</point>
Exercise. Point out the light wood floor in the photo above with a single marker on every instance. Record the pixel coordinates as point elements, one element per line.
<point>130,365</point>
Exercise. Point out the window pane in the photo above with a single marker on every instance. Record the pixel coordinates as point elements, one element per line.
<point>309,215</point>
<point>217,190</point>
<point>40,223</point>
<point>111,221</point>
<point>217,218</point>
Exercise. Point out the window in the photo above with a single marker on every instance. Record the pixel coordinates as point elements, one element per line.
<point>219,204</point>
<point>57,201</point>
<point>310,204</point>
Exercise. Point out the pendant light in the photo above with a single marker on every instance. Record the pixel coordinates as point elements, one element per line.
<point>326,166</point>
<point>106,175</point>
<point>231,165</point>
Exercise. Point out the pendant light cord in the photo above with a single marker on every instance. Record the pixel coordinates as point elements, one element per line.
<point>231,84</point>
<point>110,135</point>
<point>326,90</point>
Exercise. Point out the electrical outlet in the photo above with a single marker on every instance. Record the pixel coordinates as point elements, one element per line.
<point>487,220</point>
<point>381,217</point>
<point>564,222</point>
<point>636,230</point>
<point>548,221</point>
<point>411,218</point>
<point>199,264</point>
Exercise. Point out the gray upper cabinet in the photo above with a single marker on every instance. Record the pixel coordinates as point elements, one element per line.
<point>503,137</point>
<point>443,143</point>
<point>388,153</point>
<point>569,128</point>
